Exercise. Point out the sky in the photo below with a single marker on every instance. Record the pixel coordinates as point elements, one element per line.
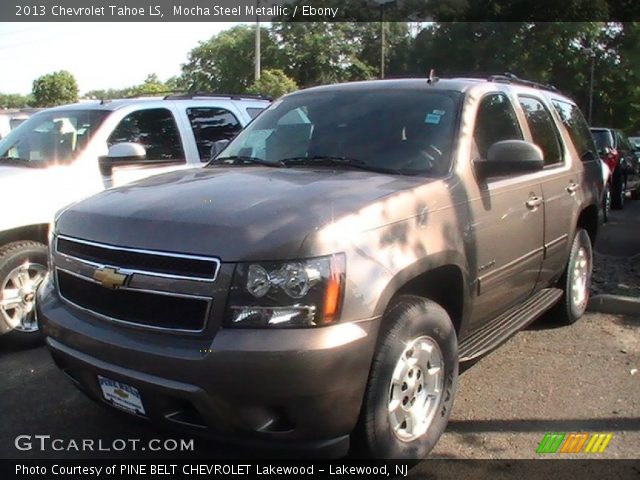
<point>99,55</point>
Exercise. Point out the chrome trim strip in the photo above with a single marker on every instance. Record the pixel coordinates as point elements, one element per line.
<point>215,261</point>
<point>143,290</point>
<point>125,322</point>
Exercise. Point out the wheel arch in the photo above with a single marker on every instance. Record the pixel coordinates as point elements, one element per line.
<point>440,278</point>
<point>36,233</point>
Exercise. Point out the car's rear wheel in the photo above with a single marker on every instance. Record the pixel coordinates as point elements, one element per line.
<point>618,191</point>
<point>23,265</point>
<point>576,281</point>
<point>412,382</point>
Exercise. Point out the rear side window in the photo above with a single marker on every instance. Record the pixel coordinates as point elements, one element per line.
<point>210,125</point>
<point>254,112</point>
<point>578,129</point>
<point>543,130</point>
<point>155,129</point>
<point>496,121</point>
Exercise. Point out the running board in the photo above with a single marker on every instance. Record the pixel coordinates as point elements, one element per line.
<point>500,329</point>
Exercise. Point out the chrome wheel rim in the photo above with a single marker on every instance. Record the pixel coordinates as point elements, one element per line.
<point>18,295</point>
<point>416,388</point>
<point>580,278</point>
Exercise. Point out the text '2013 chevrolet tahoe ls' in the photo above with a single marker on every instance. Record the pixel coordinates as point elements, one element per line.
<point>321,279</point>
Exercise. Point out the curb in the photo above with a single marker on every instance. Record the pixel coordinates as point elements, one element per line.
<point>616,304</point>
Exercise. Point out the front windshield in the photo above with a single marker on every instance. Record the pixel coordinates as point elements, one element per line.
<point>50,137</point>
<point>406,131</point>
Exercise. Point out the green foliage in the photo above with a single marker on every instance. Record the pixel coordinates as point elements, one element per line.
<point>225,63</point>
<point>273,83</point>
<point>15,100</point>
<point>55,88</point>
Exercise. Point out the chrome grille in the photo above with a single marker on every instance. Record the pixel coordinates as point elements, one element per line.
<point>153,289</point>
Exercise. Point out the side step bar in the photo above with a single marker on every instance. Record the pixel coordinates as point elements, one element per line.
<point>501,328</point>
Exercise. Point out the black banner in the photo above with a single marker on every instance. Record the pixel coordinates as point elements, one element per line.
<point>439,469</point>
<point>316,10</point>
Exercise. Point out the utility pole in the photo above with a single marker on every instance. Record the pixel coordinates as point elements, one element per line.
<point>593,66</point>
<point>382,41</point>
<point>257,45</point>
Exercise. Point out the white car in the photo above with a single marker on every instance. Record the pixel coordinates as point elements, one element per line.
<point>64,154</point>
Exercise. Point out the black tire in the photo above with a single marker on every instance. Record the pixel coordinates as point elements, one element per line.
<point>606,203</point>
<point>568,310</point>
<point>618,191</point>
<point>13,256</point>
<point>410,319</point>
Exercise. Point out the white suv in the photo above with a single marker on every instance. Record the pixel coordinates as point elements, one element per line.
<point>67,153</point>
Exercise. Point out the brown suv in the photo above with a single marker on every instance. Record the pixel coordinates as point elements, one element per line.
<point>322,278</point>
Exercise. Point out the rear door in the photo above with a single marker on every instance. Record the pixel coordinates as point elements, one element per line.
<point>560,183</point>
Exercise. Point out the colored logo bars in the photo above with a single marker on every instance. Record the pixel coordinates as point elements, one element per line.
<point>583,442</point>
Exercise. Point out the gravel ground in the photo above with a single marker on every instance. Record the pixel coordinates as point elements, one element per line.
<point>551,379</point>
<point>616,275</point>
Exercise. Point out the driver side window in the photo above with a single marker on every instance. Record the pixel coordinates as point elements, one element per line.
<point>155,129</point>
<point>496,120</point>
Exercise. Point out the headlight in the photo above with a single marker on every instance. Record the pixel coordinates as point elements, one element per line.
<point>304,293</point>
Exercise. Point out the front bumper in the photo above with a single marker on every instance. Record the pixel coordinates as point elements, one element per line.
<point>294,387</point>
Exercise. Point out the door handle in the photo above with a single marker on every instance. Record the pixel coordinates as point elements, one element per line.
<point>572,188</point>
<point>534,202</point>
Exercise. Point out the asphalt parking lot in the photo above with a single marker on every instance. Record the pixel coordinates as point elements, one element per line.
<point>582,378</point>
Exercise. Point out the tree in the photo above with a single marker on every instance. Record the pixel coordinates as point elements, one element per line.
<point>225,63</point>
<point>15,100</point>
<point>273,83</point>
<point>55,89</point>
<point>151,86</point>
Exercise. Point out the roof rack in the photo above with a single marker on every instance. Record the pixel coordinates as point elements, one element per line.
<point>232,96</point>
<point>512,79</point>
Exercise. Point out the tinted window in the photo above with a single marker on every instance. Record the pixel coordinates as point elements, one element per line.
<point>155,129</point>
<point>254,112</point>
<point>211,125</point>
<point>51,137</point>
<point>405,130</point>
<point>578,129</point>
<point>543,130</point>
<point>495,121</point>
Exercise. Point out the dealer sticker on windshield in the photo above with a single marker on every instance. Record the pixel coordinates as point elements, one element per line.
<point>121,395</point>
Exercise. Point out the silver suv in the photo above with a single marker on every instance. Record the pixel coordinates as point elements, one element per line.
<point>64,154</point>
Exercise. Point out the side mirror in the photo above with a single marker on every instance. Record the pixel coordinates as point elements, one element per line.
<point>218,147</point>
<point>510,157</point>
<point>126,153</point>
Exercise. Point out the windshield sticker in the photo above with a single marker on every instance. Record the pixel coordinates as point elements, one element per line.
<point>432,118</point>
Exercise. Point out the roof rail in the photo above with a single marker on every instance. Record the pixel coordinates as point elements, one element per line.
<point>232,96</point>
<point>512,79</point>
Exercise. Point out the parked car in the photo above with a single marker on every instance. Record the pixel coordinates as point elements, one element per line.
<point>321,279</point>
<point>64,154</point>
<point>11,119</point>
<point>616,151</point>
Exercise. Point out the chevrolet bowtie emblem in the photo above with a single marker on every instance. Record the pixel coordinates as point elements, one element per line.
<point>109,278</point>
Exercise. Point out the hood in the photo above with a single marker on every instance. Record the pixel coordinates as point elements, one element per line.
<point>234,213</point>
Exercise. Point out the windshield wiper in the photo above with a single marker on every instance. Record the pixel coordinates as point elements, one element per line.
<point>333,161</point>
<point>17,161</point>
<point>244,159</point>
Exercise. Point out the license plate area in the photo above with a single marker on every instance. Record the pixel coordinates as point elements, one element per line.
<point>121,395</point>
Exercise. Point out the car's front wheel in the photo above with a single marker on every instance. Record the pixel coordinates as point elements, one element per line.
<point>23,265</point>
<point>412,381</point>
